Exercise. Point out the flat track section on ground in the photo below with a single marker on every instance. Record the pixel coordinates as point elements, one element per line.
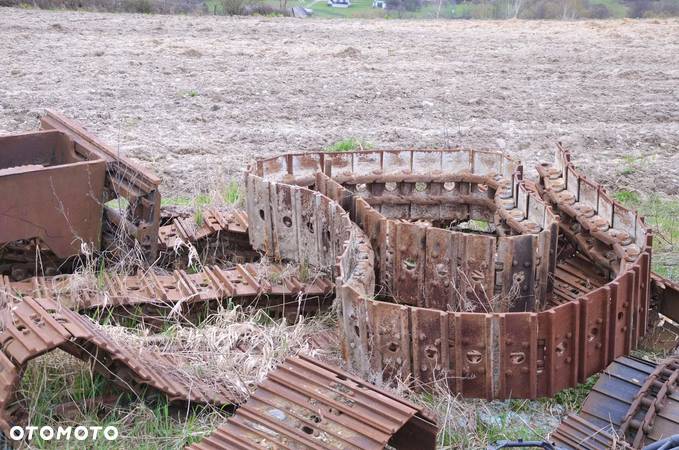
<point>190,97</point>
<point>634,400</point>
<point>307,405</point>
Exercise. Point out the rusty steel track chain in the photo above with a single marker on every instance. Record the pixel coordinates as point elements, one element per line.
<point>651,398</point>
<point>304,404</point>
<point>32,327</point>
<point>491,315</point>
<point>633,404</point>
<point>38,314</point>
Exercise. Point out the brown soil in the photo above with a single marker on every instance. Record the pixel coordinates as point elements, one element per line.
<point>195,98</point>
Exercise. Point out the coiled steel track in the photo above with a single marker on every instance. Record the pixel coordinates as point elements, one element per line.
<point>479,312</point>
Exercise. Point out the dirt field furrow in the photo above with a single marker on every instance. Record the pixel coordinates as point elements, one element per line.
<point>196,97</point>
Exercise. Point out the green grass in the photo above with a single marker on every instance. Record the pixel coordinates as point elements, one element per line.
<point>358,8</point>
<point>347,145</point>
<point>196,201</point>
<point>627,197</point>
<point>119,204</point>
<point>661,215</point>
<point>141,424</point>
<point>572,398</point>
<point>232,194</point>
<point>632,164</point>
<point>476,423</point>
<point>617,9</point>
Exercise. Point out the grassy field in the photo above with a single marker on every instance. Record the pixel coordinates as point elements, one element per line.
<point>661,215</point>
<point>430,10</point>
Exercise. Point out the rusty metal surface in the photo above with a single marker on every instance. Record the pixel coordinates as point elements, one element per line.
<point>31,327</point>
<point>491,315</point>
<point>634,399</point>
<point>56,183</point>
<point>272,287</point>
<point>304,404</point>
<point>124,179</point>
<point>553,286</point>
<point>213,236</point>
<point>666,294</point>
<point>577,433</point>
<point>182,231</point>
<point>50,192</point>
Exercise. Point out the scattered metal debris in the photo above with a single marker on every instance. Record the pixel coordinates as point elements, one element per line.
<point>240,283</point>
<point>634,402</point>
<point>32,327</point>
<point>52,190</point>
<point>448,265</point>
<point>306,404</point>
<point>56,183</point>
<point>124,179</point>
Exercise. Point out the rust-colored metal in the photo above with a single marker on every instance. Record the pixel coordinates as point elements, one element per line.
<point>50,192</point>
<point>306,404</point>
<point>31,327</point>
<point>634,402</point>
<point>666,294</point>
<point>182,231</point>
<point>56,183</point>
<point>213,236</point>
<point>241,283</point>
<point>575,433</point>
<point>139,187</point>
<point>493,315</point>
<point>448,266</point>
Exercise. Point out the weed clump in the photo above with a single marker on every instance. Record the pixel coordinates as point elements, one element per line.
<point>347,145</point>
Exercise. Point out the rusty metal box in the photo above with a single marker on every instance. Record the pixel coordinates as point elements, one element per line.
<point>50,191</point>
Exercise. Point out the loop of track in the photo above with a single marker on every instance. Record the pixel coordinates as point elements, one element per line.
<point>556,337</point>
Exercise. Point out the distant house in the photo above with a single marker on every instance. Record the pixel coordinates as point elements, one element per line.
<point>339,3</point>
<point>380,4</point>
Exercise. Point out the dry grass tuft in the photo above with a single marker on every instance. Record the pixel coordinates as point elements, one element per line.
<point>234,347</point>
